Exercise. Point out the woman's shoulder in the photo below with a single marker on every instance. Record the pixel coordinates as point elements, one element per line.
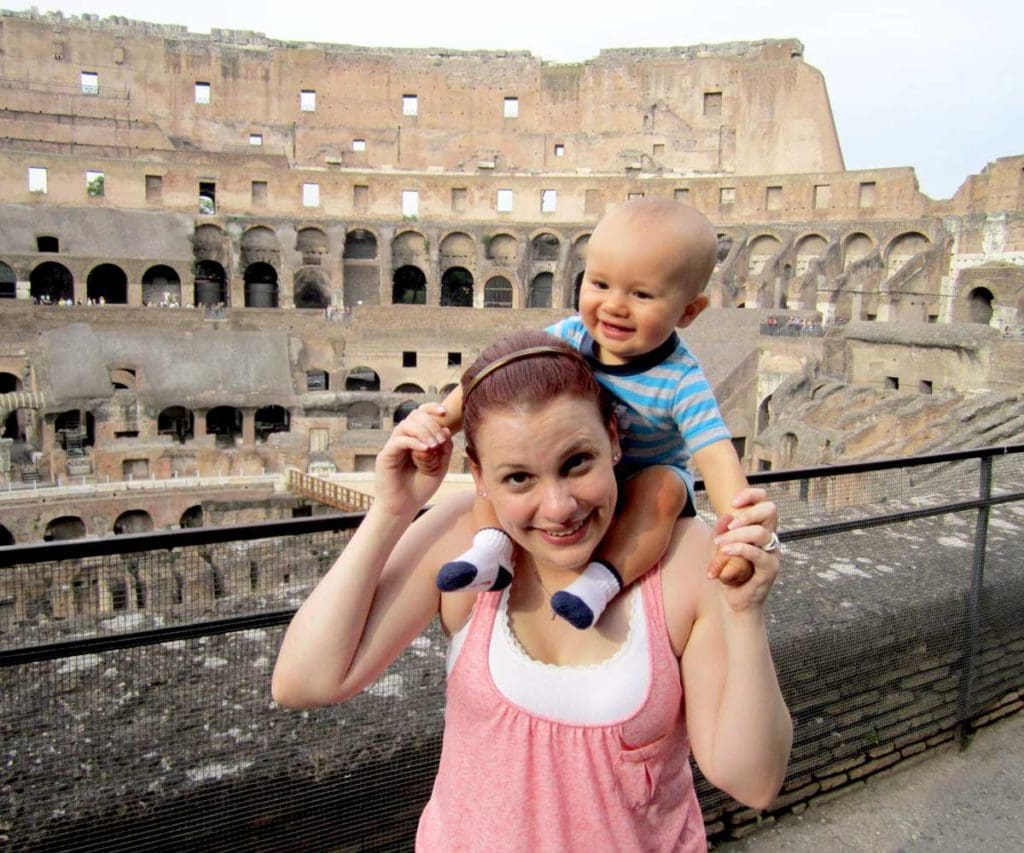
<point>684,581</point>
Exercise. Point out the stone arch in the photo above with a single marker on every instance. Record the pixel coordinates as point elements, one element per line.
<point>360,245</point>
<point>979,305</point>
<point>260,245</point>
<point>409,388</point>
<point>761,250</point>
<point>902,248</point>
<point>318,380</point>
<point>409,248</point>
<point>6,537</point>
<point>271,419</point>
<point>11,425</point>
<point>856,246</point>
<point>458,249</point>
<point>312,288</point>
<point>224,422</point>
<point>8,282</point>
<point>176,421</point>
<point>545,247</point>
<point>133,521</point>
<point>498,292</point>
<point>764,414</point>
<point>808,248</point>
<point>788,445</point>
<point>192,517</point>
<point>457,288</point>
<point>211,243</point>
<point>51,283</point>
<point>539,295</point>
<point>64,527</point>
<point>124,378</point>
<point>161,285</point>
<point>362,379</point>
<point>107,283</point>
<point>502,250</point>
<point>363,415</point>
<point>312,244</point>
<point>409,286</point>
<point>261,285</point>
<point>403,410</point>
<point>210,284</point>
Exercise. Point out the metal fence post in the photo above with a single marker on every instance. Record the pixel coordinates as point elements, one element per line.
<point>964,728</point>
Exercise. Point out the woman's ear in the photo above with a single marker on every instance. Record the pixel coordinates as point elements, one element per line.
<point>613,435</point>
<point>478,477</point>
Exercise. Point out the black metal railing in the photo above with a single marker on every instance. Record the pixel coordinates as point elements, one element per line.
<point>134,671</point>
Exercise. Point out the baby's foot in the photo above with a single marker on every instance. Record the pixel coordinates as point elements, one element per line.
<point>487,565</point>
<point>583,601</point>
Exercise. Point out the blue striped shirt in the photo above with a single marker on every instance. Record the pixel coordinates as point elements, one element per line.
<point>665,407</point>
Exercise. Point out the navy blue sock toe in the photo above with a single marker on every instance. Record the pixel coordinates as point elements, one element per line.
<point>456,575</point>
<point>572,609</point>
<point>503,579</point>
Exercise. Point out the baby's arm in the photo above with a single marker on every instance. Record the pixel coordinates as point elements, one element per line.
<point>729,494</point>
<point>447,413</point>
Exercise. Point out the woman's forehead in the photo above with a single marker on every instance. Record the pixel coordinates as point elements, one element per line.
<point>531,432</point>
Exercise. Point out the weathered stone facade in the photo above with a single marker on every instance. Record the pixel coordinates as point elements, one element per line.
<point>227,255</point>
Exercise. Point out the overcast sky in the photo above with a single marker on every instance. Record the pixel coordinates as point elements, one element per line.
<point>933,84</point>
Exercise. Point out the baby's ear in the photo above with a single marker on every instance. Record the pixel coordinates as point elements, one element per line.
<point>692,311</point>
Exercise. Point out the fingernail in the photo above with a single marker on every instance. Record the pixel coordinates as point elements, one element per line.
<point>732,550</point>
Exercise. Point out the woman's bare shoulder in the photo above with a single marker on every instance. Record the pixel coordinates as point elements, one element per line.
<point>684,581</point>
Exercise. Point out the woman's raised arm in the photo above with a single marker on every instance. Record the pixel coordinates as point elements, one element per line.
<point>380,593</point>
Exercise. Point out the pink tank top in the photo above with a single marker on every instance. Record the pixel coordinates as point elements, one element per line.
<point>511,780</point>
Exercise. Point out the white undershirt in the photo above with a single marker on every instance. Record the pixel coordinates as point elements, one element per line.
<point>599,693</point>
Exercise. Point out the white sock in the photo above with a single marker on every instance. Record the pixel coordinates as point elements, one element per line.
<point>584,600</point>
<point>486,565</point>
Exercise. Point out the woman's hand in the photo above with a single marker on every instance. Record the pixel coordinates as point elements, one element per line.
<point>433,460</point>
<point>402,485</point>
<point>744,536</point>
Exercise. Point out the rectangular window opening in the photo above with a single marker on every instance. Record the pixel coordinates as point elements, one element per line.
<point>658,149</point>
<point>866,197</point>
<point>727,195</point>
<point>358,144</point>
<point>311,195</point>
<point>822,196</point>
<point>408,358</point>
<point>256,139</point>
<point>90,83</point>
<point>207,198</point>
<point>455,359</point>
<point>593,203</point>
<point>37,179</point>
<point>505,200</point>
<point>460,199</point>
<point>361,197</point>
<point>202,92</point>
<point>631,196</point>
<point>307,100</point>
<point>94,183</point>
<point>410,105</point>
<point>681,195</point>
<point>712,104</point>
<point>773,198</point>
<point>548,201</point>
<point>559,149</point>
<point>154,188</point>
<point>891,383</point>
<point>410,204</point>
<point>511,107</point>
<point>925,386</point>
<point>260,191</point>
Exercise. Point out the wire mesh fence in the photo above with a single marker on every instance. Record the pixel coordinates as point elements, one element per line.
<point>135,707</point>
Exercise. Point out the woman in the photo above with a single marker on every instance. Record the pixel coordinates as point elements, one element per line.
<point>555,738</point>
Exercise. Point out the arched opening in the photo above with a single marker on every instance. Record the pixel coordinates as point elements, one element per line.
<point>272,419</point>
<point>458,249</point>
<point>51,283</point>
<point>6,537</point>
<point>457,288</point>
<point>161,285</point>
<point>903,248</point>
<point>409,388</point>
<point>65,527</point>
<point>762,250</point>
<point>311,289</point>
<point>210,284</point>
<point>855,247</point>
<point>224,422</point>
<point>787,450</point>
<point>192,517</point>
<point>540,291</point>
<point>498,293</point>
<point>979,305</point>
<point>409,286</point>
<point>107,284</point>
<point>362,379</point>
<point>133,521</point>
<point>318,380</point>
<point>260,286</point>
<point>360,245</point>
<point>404,410</point>
<point>312,244</point>
<point>363,415</point>
<point>544,247</point>
<point>8,282</point>
<point>8,384</point>
<point>176,421</point>
<point>810,247</point>
<point>764,417</point>
<point>502,249</point>
<point>73,434</point>
<point>124,378</point>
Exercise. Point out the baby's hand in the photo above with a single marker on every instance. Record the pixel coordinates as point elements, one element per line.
<point>428,419</point>
<point>752,508</point>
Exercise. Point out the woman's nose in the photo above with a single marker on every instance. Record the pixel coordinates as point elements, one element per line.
<point>558,502</point>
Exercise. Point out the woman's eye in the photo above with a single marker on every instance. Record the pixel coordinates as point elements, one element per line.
<point>519,478</point>
<point>577,461</point>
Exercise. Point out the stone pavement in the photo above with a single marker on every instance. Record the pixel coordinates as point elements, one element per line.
<point>971,801</point>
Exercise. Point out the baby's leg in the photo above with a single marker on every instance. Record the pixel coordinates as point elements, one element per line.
<point>637,538</point>
<point>488,562</point>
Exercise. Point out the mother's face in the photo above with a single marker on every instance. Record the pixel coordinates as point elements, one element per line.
<point>548,472</point>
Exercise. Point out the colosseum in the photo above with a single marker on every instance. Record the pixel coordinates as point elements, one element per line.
<point>225,257</point>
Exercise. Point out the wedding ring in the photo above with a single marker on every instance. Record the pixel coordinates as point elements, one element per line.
<point>773,544</point>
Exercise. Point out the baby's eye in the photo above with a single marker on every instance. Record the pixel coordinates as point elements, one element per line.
<point>598,285</point>
<point>643,294</point>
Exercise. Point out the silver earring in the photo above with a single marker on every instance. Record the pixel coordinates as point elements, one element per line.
<point>482,493</point>
<point>616,458</point>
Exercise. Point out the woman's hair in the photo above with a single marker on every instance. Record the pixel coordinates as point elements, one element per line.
<point>525,382</point>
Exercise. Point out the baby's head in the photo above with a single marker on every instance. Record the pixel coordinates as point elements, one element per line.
<point>648,262</point>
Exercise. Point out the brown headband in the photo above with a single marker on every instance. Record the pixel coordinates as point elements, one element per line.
<point>518,355</point>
